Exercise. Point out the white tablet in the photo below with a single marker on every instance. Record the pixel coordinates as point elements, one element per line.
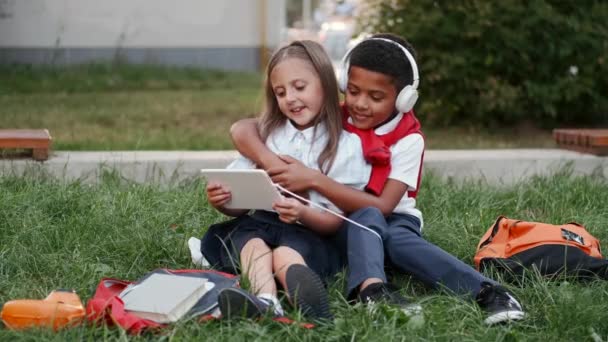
<point>251,189</point>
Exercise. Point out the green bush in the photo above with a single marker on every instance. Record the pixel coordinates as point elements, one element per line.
<point>540,62</point>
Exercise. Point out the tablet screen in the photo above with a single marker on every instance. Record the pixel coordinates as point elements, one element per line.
<point>251,188</point>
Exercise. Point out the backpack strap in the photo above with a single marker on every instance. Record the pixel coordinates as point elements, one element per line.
<point>489,235</point>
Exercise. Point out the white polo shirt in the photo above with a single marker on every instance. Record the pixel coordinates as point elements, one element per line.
<point>349,167</point>
<point>406,164</point>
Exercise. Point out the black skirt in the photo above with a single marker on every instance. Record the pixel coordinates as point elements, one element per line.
<point>222,243</point>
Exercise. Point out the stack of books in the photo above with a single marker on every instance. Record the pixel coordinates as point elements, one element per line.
<point>164,298</point>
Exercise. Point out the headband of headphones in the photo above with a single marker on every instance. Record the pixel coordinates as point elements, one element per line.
<point>343,81</point>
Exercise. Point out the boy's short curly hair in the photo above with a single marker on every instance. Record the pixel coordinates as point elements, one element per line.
<point>382,57</point>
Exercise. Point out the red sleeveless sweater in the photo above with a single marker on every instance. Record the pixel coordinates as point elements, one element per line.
<point>376,148</point>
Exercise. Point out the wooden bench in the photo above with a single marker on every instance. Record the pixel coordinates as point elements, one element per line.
<point>36,140</point>
<point>594,141</point>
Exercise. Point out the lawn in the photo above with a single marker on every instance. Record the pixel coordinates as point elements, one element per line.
<point>57,235</point>
<point>106,107</point>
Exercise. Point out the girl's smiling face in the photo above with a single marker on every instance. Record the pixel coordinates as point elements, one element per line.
<point>297,89</point>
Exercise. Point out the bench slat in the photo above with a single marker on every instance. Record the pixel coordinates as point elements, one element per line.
<point>38,140</point>
<point>594,141</point>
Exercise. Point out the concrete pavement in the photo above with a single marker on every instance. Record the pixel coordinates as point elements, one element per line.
<point>496,167</point>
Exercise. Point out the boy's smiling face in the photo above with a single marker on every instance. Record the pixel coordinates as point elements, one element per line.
<point>370,97</point>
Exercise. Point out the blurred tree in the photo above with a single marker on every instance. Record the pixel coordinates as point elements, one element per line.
<point>543,62</point>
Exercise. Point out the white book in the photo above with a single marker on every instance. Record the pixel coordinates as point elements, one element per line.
<point>164,298</point>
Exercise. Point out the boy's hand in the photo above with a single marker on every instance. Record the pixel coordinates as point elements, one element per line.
<point>218,195</point>
<point>293,176</point>
<point>289,209</point>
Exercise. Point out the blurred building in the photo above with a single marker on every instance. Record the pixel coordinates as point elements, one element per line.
<point>226,34</point>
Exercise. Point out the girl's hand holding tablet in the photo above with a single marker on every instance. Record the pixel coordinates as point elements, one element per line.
<point>218,195</point>
<point>289,209</point>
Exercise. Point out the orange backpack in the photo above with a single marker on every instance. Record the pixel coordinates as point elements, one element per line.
<point>513,245</point>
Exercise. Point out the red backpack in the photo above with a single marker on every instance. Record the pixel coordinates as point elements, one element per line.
<point>512,246</point>
<point>106,306</point>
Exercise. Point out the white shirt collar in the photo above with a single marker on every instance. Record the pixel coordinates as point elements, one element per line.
<point>387,127</point>
<point>309,133</point>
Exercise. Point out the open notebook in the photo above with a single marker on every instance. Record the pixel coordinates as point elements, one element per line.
<point>164,298</point>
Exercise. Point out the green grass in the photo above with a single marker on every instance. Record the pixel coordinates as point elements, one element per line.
<point>104,107</point>
<point>93,78</point>
<point>56,235</point>
<point>120,107</point>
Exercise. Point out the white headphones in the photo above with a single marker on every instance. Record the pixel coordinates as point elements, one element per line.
<point>407,96</point>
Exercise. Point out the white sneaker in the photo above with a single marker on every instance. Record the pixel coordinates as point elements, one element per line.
<point>198,259</point>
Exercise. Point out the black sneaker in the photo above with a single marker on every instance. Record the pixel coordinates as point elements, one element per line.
<point>500,305</point>
<point>238,303</point>
<point>388,294</point>
<point>307,292</point>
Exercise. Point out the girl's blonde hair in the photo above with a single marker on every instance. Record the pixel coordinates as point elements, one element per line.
<point>330,113</point>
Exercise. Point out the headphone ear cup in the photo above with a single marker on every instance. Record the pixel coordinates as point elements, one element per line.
<point>343,78</point>
<point>406,99</point>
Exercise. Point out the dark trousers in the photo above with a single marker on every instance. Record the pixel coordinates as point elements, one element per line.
<point>403,248</point>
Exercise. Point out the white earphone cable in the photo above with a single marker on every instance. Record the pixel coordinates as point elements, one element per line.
<point>328,210</point>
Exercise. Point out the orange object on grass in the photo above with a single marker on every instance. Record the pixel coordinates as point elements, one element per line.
<point>61,308</point>
<point>507,237</point>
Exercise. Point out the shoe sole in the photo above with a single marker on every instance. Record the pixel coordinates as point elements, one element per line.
<point>307,291</point>
<point>504,317</point>
<point>235,304</point>
<point>412,310</point>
